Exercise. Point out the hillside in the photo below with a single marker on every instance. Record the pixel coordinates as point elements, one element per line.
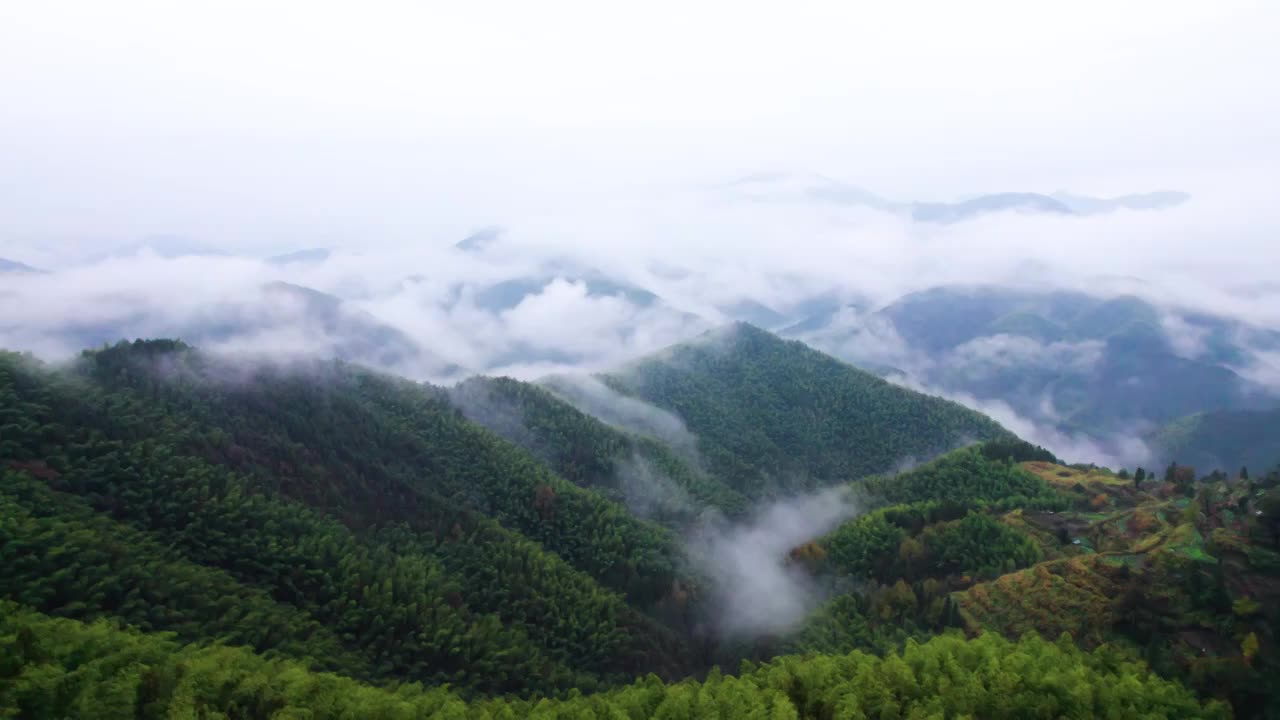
<point>776,416</point>
<point>645,474</point>
<point>1085,364</point>
<point>1022,202</point>
<point>185,532</point>
<point>348,481</point>
<point>1223,440</point>
<point>1184,573</point>
<point>13,266</point>
<point>65,668</point>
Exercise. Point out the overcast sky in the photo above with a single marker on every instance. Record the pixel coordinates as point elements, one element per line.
<point>285,124</point>
<point>602,137</point>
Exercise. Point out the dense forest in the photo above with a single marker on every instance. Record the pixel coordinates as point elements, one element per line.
<point>1226,439</point>
<point>54,667</point>
<point>637,470</point>
<point>183,534</point>
<point>778,416</point>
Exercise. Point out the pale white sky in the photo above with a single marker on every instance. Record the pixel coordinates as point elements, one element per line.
<point>310,123</point>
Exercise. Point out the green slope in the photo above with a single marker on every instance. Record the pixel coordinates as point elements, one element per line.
<point>1224,440</point>
<point>1185,574</point>
<point>58,556</point>
<point>370,449</point>
<point>638,471</point>
<point>777,416</point>
<point>426,586</point>
<point>256,526</point>
<point>61,668</point>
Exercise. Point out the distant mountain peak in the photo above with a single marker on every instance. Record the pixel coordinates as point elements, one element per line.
<point>480,239</point>
<point>301,257</point>
<point>780,186</point>
<point>13,266</point>
<point>983,204</point>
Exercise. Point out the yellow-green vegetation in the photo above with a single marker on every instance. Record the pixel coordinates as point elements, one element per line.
<point>1134,529</point>
<point>1061,475</point>
<point>1074,595</point>
<point>1188,580</point>
<point>62,668</point>
<point>1180,574</point>
<point>1050,544</point>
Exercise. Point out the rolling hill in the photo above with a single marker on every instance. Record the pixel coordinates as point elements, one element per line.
<point>776,416</point>
<point>813,188</point>
<point>1223,440</point>
<point>1099,366</point>
<point>184,532</point>
<point>13,266</point>
<point>1184,573</point>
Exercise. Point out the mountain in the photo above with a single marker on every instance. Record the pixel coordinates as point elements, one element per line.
<point>720,422</point>
<point>349,333</point>
<point>1000,539</point>
<point>643,473</point>
<point>1085,205</point>
<point>508,294</point>
<point>984,204</point>
<point>1081,363</point>
<point>301,257</point>
<point>168,246</point>
<point>278,317</point>
<point>754,313</point>
<point>1221,440</point>
<point>479,240</point>
<point>302,486</point>
<point>638,310</point>
<point>778,416</point>
<point>813,188</point>
<point>188,532</point>
<point>13,266</point>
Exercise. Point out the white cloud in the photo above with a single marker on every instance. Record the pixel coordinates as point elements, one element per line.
<point>759,590</point>
<point>1116,451</point>
<point>982,355</point>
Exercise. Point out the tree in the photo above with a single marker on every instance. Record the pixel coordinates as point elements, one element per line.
<point>1171,472</point>
<point>1184,477</point>
<point>1244,473</point>
<point>1123,474</point>
<point>1249,647</point>
<point>1138,476</point>
<point>1269,517</point>
<point>910,553</point>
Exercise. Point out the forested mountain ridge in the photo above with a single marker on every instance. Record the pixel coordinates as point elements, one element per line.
<point>1092,364</point>
<point>367,446</point>
<point>777,416</point>
<point>1223,439</point>
<point>129,433</point>
<point>174,522</point>
<point>646,475</point>
<point>1181,568</point>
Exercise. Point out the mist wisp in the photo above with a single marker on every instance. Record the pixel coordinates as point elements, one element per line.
<point>594,398</point>
<point>757,590</point>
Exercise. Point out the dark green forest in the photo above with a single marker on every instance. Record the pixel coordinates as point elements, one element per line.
<point>1225,439</point>
<point>777,416</point>
<point>628,467</point>
<point>188,535</point>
